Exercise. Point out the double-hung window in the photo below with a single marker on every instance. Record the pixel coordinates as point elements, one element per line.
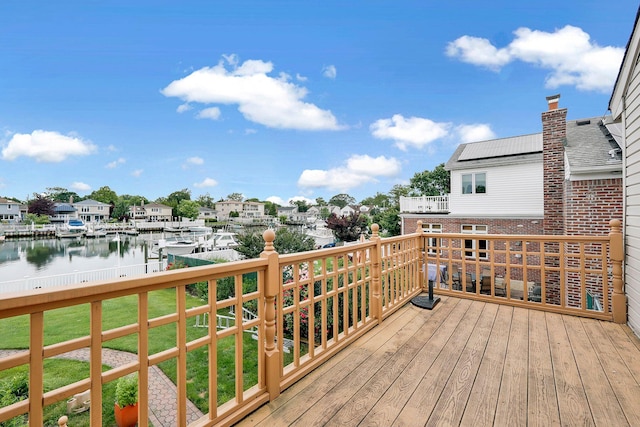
<point>475,247</point>
<point>474,183</point>
<point>432,242</point>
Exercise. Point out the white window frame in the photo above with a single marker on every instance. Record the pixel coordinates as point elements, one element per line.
<point>469,245</point>
<point>432,241</point>
<point>474,184</point>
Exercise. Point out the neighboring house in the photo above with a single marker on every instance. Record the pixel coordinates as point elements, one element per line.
<point>152,212</point>
<point>11,211</point>
<point>565,180</point>
<point>93,211</point>
<point>207,213</point>
<point>348,210</point>
<point>63,212</point>
<point>625,108</point>
<point>253,210</point>
<point>291,212</point>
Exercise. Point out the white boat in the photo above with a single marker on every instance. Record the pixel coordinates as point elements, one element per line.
<point>96,231</point>
<point>222,240</point>
<point>177,246</point>
<point>73,228</point>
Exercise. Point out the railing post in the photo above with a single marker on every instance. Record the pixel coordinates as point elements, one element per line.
<point>271,289</point>
<point>423,266</point>
<point>376,272</point>
<point>618,299</point>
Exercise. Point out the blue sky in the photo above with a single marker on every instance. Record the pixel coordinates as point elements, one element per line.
<point>284,99</point>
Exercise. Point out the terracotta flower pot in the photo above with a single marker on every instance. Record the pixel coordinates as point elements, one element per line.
<point>127,416</point>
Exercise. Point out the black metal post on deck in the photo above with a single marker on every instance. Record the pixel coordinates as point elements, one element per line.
<point>426,301</point>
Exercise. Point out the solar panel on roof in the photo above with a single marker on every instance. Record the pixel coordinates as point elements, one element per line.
<point>502,147</point>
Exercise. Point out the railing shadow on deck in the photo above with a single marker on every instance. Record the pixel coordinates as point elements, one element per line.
<point>314,303</point>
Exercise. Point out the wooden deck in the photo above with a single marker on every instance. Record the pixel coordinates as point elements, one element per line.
<point>472,364</point>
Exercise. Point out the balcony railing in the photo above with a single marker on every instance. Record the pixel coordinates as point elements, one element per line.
<point>424,204</point>
<point>314,303</point>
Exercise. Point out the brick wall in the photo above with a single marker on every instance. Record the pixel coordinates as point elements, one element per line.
<point>495,225</point>
<point>591,204</point>
<point>554,133</point>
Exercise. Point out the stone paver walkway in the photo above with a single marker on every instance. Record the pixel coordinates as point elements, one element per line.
<point>162,392</point>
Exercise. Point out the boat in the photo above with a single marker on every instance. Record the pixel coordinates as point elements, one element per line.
<point>96,231</point>
<point>222,240</point>
<point>178,246</point>
<point>72,229</point>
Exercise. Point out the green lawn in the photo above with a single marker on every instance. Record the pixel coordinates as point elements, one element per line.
<point>73,322</point>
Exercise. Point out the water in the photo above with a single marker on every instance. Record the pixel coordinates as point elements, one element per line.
<point>21,259</point>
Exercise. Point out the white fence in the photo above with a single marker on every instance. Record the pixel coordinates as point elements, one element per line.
<point>28,283</point>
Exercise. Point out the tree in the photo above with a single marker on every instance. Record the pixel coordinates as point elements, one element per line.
<point>380,199</point>
<point>347,228</point>
<point>324,212</point>
<point>398,191</point>
<point>431,183</point>
<point>104,195</point>
<point>41,205</point>
<point>342,200</point>
<point>188,209</point>
<point>301,204</point>
<point>287,241</point>
<point>389,221</point>
<point>238,197</point>
<point>320,201</point>
<point>206,201</point>
<point>31,218</point>
<point>174,199</point>
<point>59,194</point>
<point>271,208</point>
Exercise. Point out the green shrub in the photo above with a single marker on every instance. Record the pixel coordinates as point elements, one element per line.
<point>127,390</point>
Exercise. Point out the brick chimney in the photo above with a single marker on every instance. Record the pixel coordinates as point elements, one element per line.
<point>554,136</point>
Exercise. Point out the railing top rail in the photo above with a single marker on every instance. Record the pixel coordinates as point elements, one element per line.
<point>32,301</point>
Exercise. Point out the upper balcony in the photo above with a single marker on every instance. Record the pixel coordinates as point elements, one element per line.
<point>331,339</point>
<point>424,204</point>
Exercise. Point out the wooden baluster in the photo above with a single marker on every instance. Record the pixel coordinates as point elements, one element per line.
<point>618,299</point>
<point>273,278</point>
<point>376,255</point>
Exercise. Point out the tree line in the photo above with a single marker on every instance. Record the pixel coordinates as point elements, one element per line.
<point>385,212</point>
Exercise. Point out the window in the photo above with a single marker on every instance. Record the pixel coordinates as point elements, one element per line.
<point>474,183</point>
<point>432,241</point>
<point>470,244</point>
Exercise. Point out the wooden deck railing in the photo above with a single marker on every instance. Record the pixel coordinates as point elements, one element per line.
<point>308,307</point>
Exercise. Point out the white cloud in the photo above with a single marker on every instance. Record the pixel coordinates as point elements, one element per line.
<point>250,131</point>
<point>330,71</point>
<point>358,170</point>
<point>184,107</point>
<point>271,101</point>
<point>475,132</point>
<point>568,53</point>
<point>207,182</point>
<point>212,113</point>
<point>46,146</point>
<point>412,131</point>
<point>301,78</point>
<point>80,186</point>
<point>277,200</point>
<point>115,163</point>
<point>137,172</point>
<point>195,160</point>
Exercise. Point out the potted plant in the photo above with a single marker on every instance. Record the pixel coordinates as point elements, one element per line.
<point>126,405</point>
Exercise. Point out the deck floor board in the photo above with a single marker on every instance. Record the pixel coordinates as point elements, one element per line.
<point>471,363</point>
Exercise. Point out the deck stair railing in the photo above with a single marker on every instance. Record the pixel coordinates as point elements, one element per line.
<point>312,304</point>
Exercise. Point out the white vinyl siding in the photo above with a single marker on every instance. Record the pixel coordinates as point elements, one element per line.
<point>514,190</point>
<point>632,200</point>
